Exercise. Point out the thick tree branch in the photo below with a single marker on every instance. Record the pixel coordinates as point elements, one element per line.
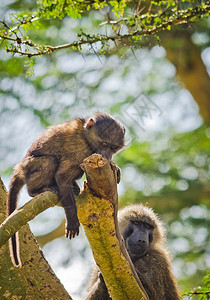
<point>102,232</point>
<point>97,214</point>
<point>26,213</point>
<point>52,235</point>
<point>35,279</point>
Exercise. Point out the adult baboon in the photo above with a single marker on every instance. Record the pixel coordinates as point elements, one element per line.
<point>144,237</point>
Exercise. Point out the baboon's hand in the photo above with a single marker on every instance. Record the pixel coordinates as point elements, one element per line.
<point>72,226</point>
<point>72,230</point>
<point>76,188</point>
<point>113,165</point>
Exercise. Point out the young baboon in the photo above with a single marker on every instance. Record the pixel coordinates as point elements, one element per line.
<point>144,237</point>
<point>53,164</point>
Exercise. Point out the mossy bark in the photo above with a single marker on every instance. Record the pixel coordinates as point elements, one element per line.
<point>35,279</point>
<point>98,216</point>
<point>97,211</point>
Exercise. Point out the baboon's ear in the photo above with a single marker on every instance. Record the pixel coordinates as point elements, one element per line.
<point>90,123</point>
<point>123,129</point>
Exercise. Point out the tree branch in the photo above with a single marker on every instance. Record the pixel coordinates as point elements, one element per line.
<point>35,277</point>
<point>98,215</point>
<point>23,215</point>
<point>167,21</point>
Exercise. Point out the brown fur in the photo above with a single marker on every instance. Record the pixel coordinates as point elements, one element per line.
<point>53,162</point>
<point>153,268</point>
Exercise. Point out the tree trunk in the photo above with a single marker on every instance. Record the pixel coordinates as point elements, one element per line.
<point>191,70</point>
<point>35,279</point>
<point>98,215</point>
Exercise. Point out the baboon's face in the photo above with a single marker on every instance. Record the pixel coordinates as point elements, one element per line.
<point>138,238</point>
<point>106,135</point>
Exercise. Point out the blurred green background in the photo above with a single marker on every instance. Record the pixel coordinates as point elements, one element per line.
<point>162,96</point>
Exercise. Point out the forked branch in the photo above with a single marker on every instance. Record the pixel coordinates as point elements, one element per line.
<point>97,211</point>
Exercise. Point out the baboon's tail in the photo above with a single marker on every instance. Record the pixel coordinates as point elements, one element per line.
<point>16,184</point>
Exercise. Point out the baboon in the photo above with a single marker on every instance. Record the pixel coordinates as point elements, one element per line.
<point>144,237</point>
<point>53,164</point>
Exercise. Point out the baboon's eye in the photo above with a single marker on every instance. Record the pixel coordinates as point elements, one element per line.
<point>136,222</point>
<point>114,148</point>
<point>105,145</point>
<point>147,226</point>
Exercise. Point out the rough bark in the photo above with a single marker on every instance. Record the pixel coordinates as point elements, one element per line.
<point>97,214</point>
<point>99,219</point>
<point>35,279</point>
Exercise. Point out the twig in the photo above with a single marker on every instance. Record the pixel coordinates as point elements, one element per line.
<point>181,18</point>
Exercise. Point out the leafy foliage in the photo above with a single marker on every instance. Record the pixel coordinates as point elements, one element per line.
<point>167,169</point>
<point>181,164</point>
<point>129,24</point>
<point>202,291</point>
